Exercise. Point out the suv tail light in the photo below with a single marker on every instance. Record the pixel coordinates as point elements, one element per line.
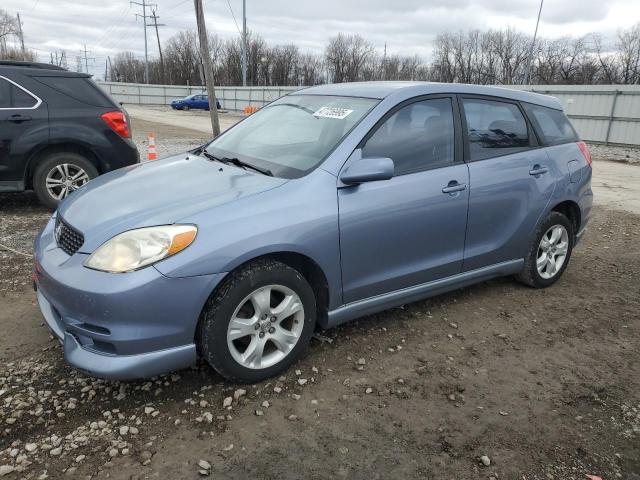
<point>117,122</point>
<point>585,152</point>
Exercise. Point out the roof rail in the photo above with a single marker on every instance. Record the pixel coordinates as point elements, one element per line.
<point>43,66</point>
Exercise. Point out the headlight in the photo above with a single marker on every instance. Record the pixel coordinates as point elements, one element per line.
<point>139,248</point>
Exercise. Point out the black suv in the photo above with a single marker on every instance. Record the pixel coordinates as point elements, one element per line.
<point>58,130</point>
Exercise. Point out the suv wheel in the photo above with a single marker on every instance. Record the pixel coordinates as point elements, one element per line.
<point>59,175</point>
<point>550,251</point>
<point>258,323</point>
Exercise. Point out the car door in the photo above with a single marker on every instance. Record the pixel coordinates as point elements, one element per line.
<point>23,124</point>
<point>410,229</point>
<point>511,181</point>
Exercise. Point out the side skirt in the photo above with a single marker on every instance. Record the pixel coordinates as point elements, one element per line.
<point>396,298</point>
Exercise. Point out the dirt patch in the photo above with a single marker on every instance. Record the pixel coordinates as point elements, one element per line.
<point>544,383</point>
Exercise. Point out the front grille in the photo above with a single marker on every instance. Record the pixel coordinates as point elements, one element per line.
<point>68,238</point>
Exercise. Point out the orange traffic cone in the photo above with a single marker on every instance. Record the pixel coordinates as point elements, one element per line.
<point>151,154</point>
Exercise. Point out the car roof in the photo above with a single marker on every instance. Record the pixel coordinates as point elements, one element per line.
<point>380,90</point>
<point>36,69</point>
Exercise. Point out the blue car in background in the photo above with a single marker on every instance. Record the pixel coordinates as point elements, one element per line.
<point>197,101</point>
<point>326,205</point>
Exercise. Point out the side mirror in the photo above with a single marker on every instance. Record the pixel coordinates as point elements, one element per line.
<point>368,170</point>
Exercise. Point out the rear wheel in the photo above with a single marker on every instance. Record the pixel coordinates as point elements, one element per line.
<point>59,174</point>
<point>258,323</point>
<point>186,107</point>
<point>549,252</point>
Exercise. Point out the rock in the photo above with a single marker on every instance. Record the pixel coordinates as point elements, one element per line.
<point>504,414</point>
<point>146,455</point>
<point>293,418</point>
<point>31,447</point>
<point>453,325</point>
<point>369,390</point>
<point>124,430</point>
<point>452,397</point>
<point>55,451</point>
<point>6,470</point>
<point>80,458</point>
<point>266,404</point>
<point>295,396</point>
<point>486,461</point>
<point>302,381</point>
<point>241,392</point>
<point>277,389</point>
<point>113,452</point>
<point>362,361</point>
<point>343,450</point>
<point>204,473</point>
<point>204,464</point>
<point>227,402</point>
<point>148,410</point>
<point>228,447</point>
<point>259,413</point>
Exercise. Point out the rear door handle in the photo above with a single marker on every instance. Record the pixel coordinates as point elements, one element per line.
<point>454,187</point>
<point>19,118</point>
<point>538,170</point>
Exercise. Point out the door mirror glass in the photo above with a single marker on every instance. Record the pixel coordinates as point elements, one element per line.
<point>368,170</point>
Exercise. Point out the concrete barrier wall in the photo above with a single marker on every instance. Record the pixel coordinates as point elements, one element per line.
<point>607,114</point>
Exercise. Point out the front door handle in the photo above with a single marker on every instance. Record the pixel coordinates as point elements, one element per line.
<point>19,118</point>
<point>538,170</point>
<point>454,187</point>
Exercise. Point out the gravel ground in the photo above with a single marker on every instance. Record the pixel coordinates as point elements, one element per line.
<point>616,154</point>
<point>495,381</point>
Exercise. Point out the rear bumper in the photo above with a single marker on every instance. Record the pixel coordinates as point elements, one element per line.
<point>118,326</point>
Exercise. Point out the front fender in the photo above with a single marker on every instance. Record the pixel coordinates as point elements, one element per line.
<point>300,216</point>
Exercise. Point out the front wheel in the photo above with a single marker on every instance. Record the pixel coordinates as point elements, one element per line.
<point>550,251</point>
<point>258,322</point>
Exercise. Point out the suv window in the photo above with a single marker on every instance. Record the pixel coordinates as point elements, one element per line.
<point>12,96</point>
<point>79,88</point>
<point>494,128</point>
<point>552,125</point>
<point>418,136</point>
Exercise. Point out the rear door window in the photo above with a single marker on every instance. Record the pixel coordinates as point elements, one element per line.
<point>494,128</point>
<point>12,96</point>
<point>552,125</point>
<point>418,136</point>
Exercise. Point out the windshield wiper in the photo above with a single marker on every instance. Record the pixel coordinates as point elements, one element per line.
<point>237,162</point>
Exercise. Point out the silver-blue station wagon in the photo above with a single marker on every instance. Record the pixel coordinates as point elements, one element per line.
<point>328,204</point>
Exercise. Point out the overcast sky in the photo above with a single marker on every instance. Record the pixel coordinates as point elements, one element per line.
<point>407,26</point>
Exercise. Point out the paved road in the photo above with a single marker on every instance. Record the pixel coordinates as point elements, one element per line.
<point>193,120</point>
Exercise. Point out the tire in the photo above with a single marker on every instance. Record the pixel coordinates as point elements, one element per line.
<point>222,346</point>
<point>186,108</point>
<point>53,168</point>
<point>530,274</point>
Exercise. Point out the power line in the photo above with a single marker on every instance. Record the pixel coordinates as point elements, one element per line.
<point>234,17</point>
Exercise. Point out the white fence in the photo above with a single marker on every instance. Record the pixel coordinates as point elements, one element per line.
<point>607,114</point>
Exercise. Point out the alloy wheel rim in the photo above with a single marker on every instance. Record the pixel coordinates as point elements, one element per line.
<point>265,327</point>
<point>552,251</point>
<point>64,179</point>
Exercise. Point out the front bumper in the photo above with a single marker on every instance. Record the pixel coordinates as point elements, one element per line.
<point>118,326</point>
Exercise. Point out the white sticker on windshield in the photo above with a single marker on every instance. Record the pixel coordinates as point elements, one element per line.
<point>332,112</point>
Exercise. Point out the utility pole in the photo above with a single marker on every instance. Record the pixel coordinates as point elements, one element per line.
<point>244,43</point>
<point>106,66</point>
<point>207,66</point>
<point>20,34</point>
<point>86,59</point>
<point>527,75</point>
<point>156,24</point>
<point>144,17</point>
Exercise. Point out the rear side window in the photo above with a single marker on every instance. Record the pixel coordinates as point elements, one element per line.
<point>12,96</point>
<point>419,136</point>
<point>552,125</point>
<point>78,88</point>
<point>494,128</point>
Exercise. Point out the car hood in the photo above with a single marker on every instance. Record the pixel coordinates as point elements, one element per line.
<point>156,193</point>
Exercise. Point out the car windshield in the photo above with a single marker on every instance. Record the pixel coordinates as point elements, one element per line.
<point>292,135</point>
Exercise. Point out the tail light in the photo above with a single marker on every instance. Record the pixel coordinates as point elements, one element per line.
<point>585,152</point>
<point>117,122</point>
